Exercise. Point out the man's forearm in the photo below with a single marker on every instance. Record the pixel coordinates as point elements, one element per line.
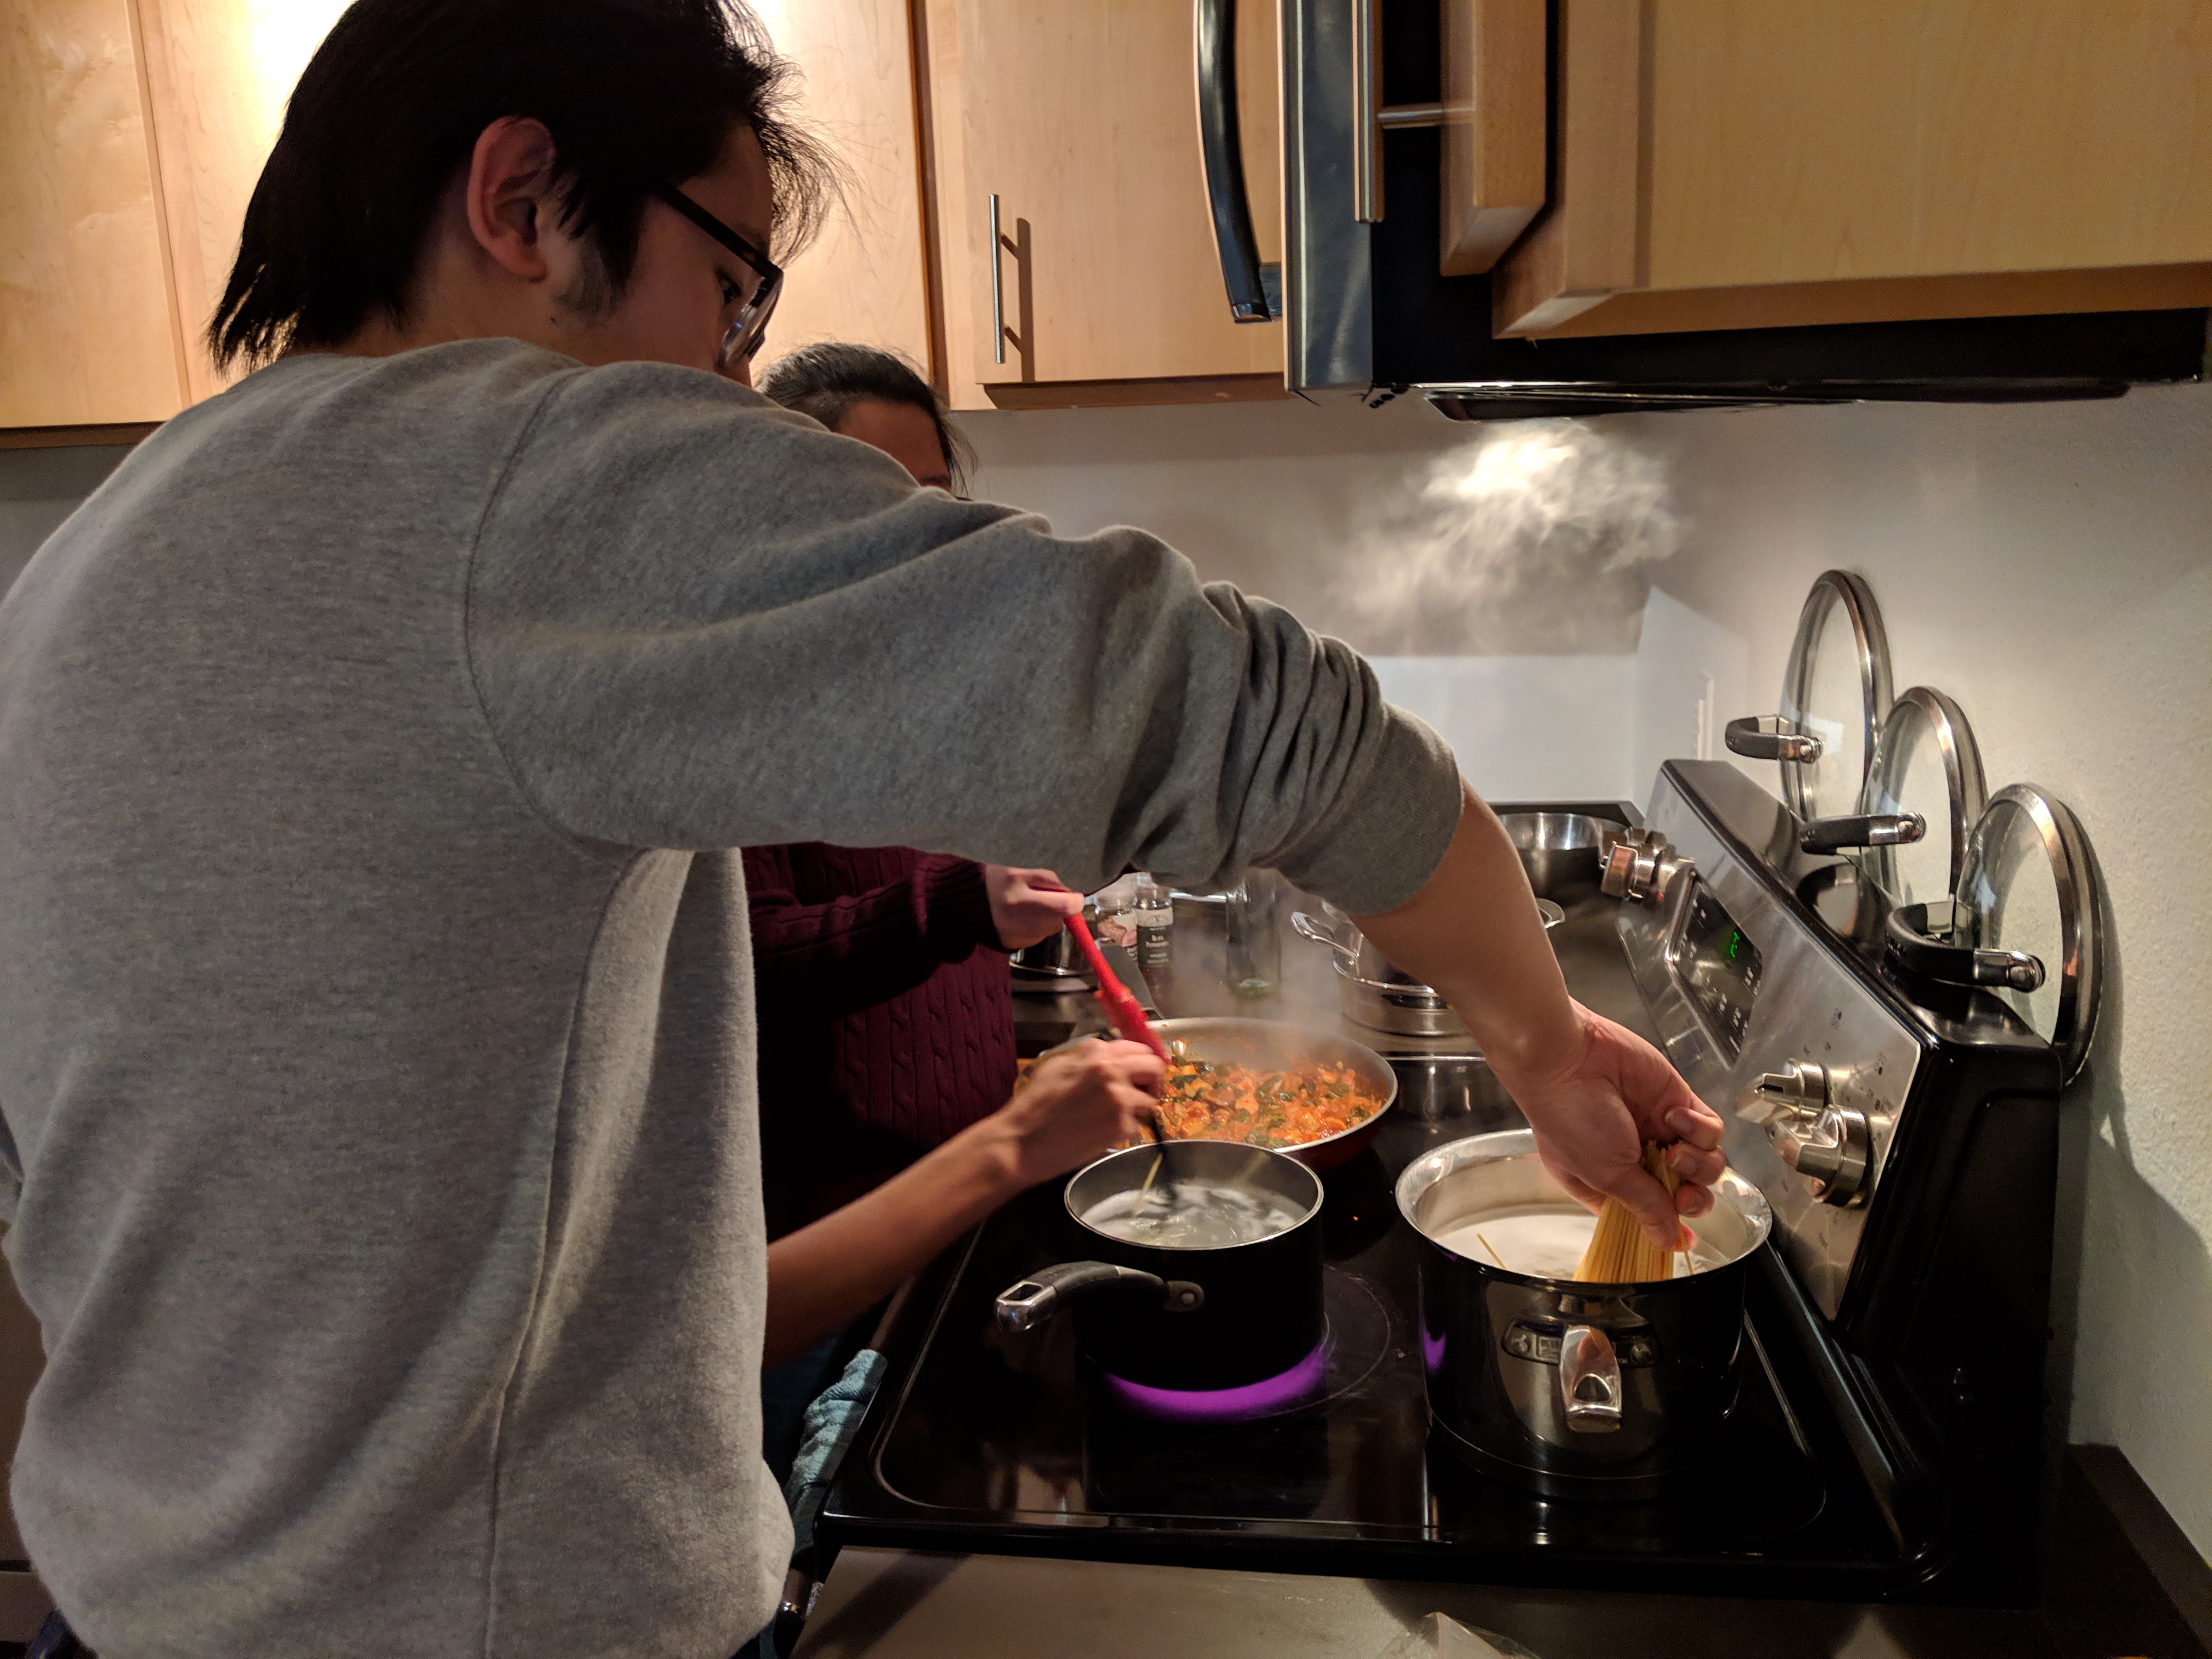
<point>839,1267</point>
<point>1473,933</point>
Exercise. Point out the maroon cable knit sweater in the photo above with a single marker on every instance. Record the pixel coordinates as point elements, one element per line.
<point>884,1030</point>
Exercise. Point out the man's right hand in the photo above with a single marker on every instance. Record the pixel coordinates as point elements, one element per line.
<point>1075,1103</point>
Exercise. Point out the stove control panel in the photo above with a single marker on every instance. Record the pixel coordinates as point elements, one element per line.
<point>1809,1066</point>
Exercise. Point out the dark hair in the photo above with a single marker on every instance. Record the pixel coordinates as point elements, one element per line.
<point>636,93</point>
<point>825,381</point>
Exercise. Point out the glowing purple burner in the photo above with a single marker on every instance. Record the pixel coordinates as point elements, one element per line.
<point>1228,1405</point>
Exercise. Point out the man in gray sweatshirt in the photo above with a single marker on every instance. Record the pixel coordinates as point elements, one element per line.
<point>376,1041</point>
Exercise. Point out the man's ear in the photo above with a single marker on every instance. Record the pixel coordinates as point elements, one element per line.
<point>511,200</point>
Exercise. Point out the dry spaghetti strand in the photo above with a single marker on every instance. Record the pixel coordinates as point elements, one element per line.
<point>1620,1253</point>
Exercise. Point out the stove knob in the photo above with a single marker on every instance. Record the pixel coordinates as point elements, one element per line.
<point>1831,1152</point>
<point>1641,867</point>
<point>1800,1088</point>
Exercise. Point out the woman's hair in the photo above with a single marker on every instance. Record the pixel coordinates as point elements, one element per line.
<point>825,381</point>
<point>637,94</point>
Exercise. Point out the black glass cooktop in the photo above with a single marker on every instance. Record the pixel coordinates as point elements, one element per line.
<point>986,1441</point>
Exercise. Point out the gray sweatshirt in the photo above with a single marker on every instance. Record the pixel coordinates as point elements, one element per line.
<point>376,1030</point>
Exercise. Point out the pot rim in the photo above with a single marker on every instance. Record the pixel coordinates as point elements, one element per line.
<point>1442,1161</point>
<point>1313,1209</point>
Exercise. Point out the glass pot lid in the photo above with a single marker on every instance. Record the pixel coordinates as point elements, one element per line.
<point>2027,923</point>
<point>1925,764</point>
<point>2027,884</point>
<point>1835,690</point>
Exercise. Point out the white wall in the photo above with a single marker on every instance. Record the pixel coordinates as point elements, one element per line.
<point>1290,500</point>
<point>40,488</point>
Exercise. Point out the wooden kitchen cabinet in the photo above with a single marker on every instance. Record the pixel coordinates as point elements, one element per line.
<point>1738,163</point>
<point>88,329</point>
<point>1081,117</point>
<point>866,277</point>
<point>125,174</point>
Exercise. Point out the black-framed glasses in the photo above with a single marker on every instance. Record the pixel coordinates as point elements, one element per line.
<point>742,337</point>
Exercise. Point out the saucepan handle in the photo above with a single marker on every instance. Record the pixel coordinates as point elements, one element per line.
<point>1590,1380</point>
<point>1029,1303</point>
<point>1319,933</point>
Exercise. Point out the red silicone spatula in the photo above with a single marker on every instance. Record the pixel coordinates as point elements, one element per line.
<point>1122,1011</point>
<point>1125,1015</point>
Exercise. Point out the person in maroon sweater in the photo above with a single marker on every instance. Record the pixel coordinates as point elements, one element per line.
<point>886,1021</point>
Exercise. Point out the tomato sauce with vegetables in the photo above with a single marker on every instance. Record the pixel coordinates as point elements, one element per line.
<point>1208,1100</point>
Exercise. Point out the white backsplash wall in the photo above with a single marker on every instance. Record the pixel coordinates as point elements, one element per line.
<point>1295,503</point>
<point>40,488</point>
<point>2051,567</point>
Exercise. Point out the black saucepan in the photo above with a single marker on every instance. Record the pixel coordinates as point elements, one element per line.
<point>1186,1318</point>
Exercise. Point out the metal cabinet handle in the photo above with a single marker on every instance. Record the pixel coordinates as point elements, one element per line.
<point>1370,118</point>
<point>1220,143</point>
<point>1861,829</point>
<point>1910,943</point>
<point>1764,737</point>
<point>1590,1380</point>
<point>998,288</point>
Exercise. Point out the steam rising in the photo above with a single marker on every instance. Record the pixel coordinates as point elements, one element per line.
<point>1536,538</point>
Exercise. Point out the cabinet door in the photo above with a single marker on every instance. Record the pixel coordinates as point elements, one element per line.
<point>218,75</point>
<point>1737,163</point>
<point>863,278</point>
<point>86,334</point>
<point>1081,118</point>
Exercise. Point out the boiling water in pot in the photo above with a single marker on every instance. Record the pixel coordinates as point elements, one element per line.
<point>1547,1241</point>
<point>1193,1215</point>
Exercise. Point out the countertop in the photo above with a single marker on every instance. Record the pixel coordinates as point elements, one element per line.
<point>2120,1582</point>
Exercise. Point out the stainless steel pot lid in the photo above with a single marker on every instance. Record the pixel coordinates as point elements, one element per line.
<point>1926,763</point>
<point>2027,923</point>
<point>2028,884</point>
<point>1835,691</point>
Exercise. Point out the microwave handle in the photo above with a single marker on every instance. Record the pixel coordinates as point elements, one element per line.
<point>1220,143</point>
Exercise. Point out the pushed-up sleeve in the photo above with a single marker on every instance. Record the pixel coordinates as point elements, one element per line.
<point>698,620</point>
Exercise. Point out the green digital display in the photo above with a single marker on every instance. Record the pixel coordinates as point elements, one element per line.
<point>1719,965</point>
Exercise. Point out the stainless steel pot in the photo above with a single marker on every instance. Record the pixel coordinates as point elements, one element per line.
<point>1374,993</point>
<point>1555,1385</point>
<point>1055,963</point>
<point>1563,853</point>
<point>1186,1319</point>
